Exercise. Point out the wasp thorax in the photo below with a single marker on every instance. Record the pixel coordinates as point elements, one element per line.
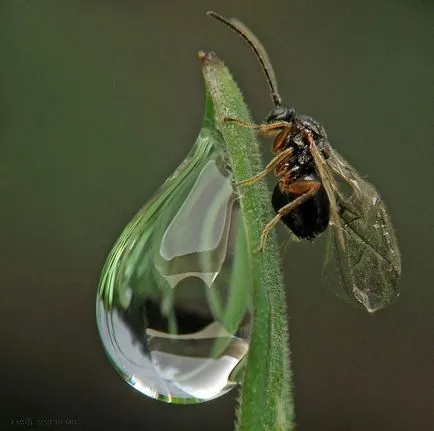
<point>281,114</point>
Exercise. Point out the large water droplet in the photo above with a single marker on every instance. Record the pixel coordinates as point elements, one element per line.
<point>173,301</point>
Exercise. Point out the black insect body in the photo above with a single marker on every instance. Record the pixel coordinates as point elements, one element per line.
<point>363,257</point>
<point>310,218</point>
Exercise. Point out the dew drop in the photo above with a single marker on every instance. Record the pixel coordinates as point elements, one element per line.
<point>174,296</point>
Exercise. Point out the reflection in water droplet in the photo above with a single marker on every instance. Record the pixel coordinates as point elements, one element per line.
<point>172,309</point>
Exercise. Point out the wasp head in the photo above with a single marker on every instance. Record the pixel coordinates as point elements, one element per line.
<point>281,114</point>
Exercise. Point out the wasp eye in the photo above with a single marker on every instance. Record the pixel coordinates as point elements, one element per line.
<point>281,114</point>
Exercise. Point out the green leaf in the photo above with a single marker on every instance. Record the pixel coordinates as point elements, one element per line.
<point>266,401</point>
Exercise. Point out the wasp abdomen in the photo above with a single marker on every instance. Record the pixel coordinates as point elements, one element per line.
<point>310,218</point>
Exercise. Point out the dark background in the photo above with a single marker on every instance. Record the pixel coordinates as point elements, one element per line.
<point>101,100</point>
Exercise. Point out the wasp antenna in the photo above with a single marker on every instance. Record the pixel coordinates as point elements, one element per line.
<point>257,48</point>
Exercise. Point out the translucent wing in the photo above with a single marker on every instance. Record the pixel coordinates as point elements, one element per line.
<point>363,259</point>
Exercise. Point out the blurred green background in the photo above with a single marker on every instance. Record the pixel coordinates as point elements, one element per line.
<point>101,100</point>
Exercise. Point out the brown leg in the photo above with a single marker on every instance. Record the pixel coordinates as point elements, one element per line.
<point>263,129</point>
<point>269,168</point>
<point>311,188</point>
<point>281,138</point>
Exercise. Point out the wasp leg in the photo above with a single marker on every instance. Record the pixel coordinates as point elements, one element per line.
<point>263,129</point>
<point>278,144</point>
<point>281,139</point>
<point>306,189</point>
<point>269,168</point>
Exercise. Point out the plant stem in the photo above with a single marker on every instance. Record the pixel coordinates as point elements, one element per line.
<point>266,401</point>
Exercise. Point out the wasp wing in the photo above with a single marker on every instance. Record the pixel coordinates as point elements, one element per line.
<point>363,258</point>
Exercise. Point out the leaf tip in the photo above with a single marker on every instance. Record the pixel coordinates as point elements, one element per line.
<point>207,57</point>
